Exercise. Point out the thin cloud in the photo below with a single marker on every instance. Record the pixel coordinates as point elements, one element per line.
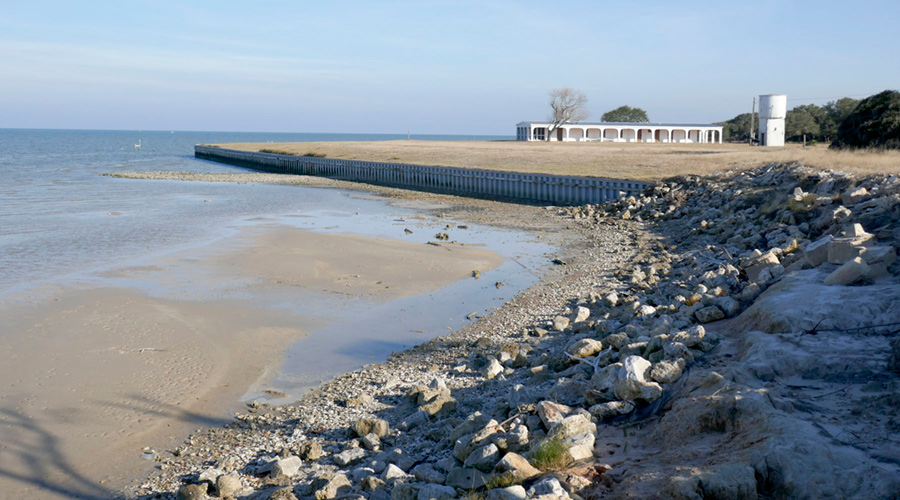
<point>89,63</point>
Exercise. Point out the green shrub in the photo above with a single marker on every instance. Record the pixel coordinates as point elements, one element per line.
<point>550,454</point>
<point>311,154</point>
<point>874,124</point>
<point>504,480</point>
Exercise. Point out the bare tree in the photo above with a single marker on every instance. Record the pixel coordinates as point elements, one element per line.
<point>568,107</point>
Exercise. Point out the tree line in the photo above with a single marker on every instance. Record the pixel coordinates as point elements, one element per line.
<point>817,123</point>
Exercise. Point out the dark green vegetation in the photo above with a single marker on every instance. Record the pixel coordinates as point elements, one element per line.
<point>817,123</point>
<point>311,154</point>
<point>874,124</point>
<point>625,114</point>
<point>737,129</point>
<point>550,454</point>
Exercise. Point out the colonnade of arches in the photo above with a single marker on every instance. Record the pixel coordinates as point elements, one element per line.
<point>629,134</point>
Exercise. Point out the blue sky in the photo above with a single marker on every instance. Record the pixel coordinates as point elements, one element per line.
<point>453,67</point>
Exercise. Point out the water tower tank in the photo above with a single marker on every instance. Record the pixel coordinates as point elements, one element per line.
<point>772,112</point>
<point>773,106</point>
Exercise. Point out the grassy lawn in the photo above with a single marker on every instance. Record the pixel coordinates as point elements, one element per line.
<point>616,160</point>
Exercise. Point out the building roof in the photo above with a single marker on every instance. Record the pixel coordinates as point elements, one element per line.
<point>623,124</point>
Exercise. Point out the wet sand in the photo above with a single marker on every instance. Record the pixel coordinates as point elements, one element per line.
<point>351,265</point>
<point>91,376</point>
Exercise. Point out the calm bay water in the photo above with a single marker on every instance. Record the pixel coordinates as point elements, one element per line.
<point>58,216</point>
<point>64,226</point>
<point>62,223</point>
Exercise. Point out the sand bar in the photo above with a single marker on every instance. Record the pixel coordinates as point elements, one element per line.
<point>93,376</point>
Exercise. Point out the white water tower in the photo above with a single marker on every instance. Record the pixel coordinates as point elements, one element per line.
<point>772,110</point>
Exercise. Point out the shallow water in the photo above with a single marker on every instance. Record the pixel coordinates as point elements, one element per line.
<point>363,332</point>
<point>62,224</point>
<point>58,216</point>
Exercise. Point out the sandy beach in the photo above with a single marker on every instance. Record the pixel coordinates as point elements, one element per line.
<point>635,282</point>
<point>94,378</point>
<point>363,251</point>
<point>675,350</point>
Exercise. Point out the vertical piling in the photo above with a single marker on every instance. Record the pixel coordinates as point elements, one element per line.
<point>556,189</point>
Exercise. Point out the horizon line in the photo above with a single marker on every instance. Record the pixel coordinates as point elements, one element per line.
<point>249,132</point>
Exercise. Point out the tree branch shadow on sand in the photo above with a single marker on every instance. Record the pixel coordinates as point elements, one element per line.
<point>151,407</point>
<point>42,460</point>
<point>36,459</point>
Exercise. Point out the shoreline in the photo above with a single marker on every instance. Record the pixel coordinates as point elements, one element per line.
<point>725,411</point>
<point>97,375</point>
<point>539,221</point>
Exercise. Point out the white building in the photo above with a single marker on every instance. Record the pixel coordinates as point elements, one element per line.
<point>621,132</point>
<point>772,111</point>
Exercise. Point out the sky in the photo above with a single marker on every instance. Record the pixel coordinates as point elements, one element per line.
<point>429,67</point>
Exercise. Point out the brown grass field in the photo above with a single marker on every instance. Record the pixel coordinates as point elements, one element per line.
<point>615,160</point>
